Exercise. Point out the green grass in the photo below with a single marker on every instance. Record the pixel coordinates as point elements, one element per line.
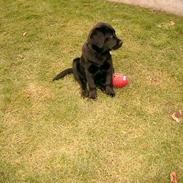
<point>49,134</point>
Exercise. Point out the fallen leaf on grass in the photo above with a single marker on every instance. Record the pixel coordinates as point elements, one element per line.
<point>24,34</point>
<point>173,177</point>
<point>172,23</point>
<point>177,116</point>
<point>166,25</point>
<point>20,56</point>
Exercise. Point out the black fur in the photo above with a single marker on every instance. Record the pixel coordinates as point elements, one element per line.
<point>63,73</point>
<point>94,68</point>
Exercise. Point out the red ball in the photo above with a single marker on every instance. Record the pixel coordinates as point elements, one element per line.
<point>119,80</point>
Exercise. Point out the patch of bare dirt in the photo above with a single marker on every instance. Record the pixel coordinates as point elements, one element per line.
<point>172,6</point>
<point>36,92</point>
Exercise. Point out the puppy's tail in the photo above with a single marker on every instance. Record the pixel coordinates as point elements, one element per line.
<point>63,73</point>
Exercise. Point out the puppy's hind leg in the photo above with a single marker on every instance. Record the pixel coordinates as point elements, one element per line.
<point>80,78</point>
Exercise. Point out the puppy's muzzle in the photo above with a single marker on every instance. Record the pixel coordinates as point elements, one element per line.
<point>118,44</point>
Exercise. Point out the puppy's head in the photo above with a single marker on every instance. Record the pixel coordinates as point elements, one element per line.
<point>103,38</point>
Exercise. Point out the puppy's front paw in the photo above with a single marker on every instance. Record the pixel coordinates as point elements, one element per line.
<point>109,91</point>
<point>92,94</point>
<point>84,93</point>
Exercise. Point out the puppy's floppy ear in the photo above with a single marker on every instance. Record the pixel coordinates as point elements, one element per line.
<point>97,38</point>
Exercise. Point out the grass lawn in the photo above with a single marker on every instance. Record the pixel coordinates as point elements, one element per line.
<point>49,134</point>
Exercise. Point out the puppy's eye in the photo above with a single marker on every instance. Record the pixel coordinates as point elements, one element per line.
<point>108,38</point>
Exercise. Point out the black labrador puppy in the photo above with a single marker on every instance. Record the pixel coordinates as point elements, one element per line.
<point>94,68</point>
